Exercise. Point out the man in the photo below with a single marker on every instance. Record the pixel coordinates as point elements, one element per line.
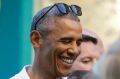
<point>91,50</point>
<point>56,35</point>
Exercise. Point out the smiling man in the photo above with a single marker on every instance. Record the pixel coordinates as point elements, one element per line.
<point>56,37</point>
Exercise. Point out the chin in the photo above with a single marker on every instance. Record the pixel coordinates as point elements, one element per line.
<point>63,63</point>
<point>63,73</point>
<point>63,66</point>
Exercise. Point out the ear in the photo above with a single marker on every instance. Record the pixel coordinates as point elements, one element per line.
<point>36,39</point>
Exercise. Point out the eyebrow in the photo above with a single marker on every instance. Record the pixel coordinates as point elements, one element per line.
<point>86,38</point>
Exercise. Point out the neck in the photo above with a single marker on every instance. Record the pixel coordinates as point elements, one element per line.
<point>41,74</point>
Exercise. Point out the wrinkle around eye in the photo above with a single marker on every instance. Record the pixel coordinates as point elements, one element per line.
<point>66,40</point>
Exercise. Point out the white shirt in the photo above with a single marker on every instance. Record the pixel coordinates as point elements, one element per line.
<point>22,74</point>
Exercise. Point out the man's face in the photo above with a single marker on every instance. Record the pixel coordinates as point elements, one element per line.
<point>60,48</point>
<point>89,54</point>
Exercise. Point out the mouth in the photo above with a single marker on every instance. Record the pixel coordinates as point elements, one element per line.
<point>67,59</point>
<point>64,62</point>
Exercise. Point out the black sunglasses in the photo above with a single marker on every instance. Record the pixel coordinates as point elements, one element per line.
<point>64,9</point>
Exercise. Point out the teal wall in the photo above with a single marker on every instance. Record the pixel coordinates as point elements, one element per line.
<point>15,46</point>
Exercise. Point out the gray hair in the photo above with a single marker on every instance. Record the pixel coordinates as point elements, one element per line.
<point>44,23</point>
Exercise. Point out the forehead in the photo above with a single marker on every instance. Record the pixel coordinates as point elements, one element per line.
<point>90,49</point>
<point>63,25</point>
<point>68,22</point>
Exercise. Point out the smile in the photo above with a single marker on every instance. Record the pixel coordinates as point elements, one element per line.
<point>64,61</point>
<point>67,59</point>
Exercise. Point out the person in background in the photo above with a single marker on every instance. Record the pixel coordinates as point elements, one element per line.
<point>56,35</point>
<point>91,49</point>
<point>108,67</point>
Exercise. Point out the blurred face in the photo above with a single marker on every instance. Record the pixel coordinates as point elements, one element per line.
<point>61,46</point>
<point>89,54</point>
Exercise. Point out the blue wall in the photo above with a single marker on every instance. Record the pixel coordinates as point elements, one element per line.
<point>15,46</point>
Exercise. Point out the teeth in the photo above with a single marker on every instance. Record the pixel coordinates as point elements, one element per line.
<point>69,61</point>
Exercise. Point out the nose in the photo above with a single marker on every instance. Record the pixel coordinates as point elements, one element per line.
<point>74,50</point>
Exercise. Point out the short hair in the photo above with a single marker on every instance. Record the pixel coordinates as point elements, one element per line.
<point>87,38</point>
<point>43,24</point>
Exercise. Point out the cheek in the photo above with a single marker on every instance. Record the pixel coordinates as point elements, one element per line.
<point>47,54</point>
<point>62,68</point>
<point>81,66</point>
<point>61,46</point>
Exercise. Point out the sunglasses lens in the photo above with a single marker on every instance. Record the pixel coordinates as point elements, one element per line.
<point>76,9</point>
<point>63,8</point>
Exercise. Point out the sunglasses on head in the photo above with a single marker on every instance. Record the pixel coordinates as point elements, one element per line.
<point>63,9</point>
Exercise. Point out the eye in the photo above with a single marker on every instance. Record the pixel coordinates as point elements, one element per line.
<point>66,40</point>
<point>79,42</point>
<point>87,60</point>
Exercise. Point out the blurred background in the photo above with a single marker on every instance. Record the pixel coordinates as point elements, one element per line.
<point>101,16</point>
